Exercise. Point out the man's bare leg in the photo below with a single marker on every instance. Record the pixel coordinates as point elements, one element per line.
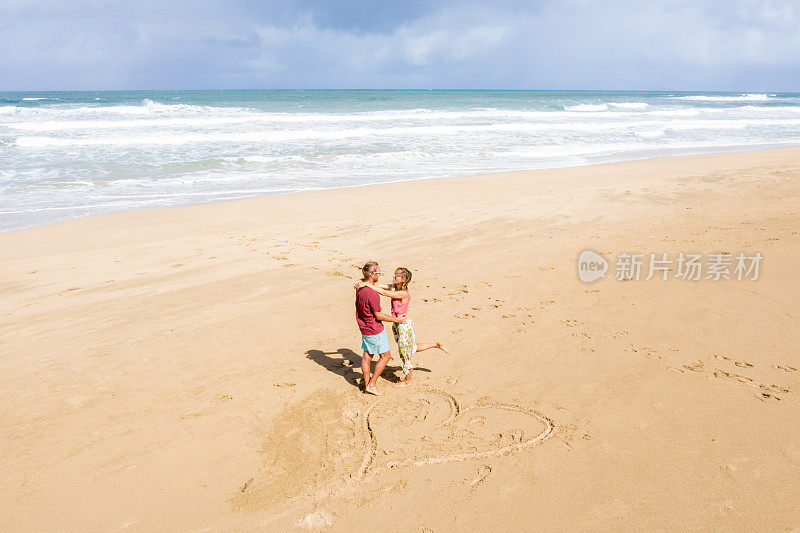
<point>379,366</point>
<point>366,363</point>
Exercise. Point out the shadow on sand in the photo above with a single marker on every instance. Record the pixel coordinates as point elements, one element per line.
<point>346,363</point>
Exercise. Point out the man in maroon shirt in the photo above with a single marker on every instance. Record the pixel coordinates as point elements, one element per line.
<point>373,336</point>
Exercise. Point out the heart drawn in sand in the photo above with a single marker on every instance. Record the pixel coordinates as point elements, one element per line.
<point>428,426</point>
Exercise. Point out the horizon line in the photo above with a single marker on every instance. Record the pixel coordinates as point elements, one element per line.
<point>746,91</point>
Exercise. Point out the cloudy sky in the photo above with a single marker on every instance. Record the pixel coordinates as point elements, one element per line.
<point>737,45</point>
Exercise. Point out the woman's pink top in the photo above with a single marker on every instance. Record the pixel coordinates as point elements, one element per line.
<point>400,308</point>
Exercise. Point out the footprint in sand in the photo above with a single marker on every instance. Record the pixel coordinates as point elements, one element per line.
<point>764,396</point>
<point>648,352</point>
<point>766,391</point>
<point>483,473</point>
<point>695,367</point>
<point>736,377</point>
<point>774,388</point>
<point>222,398</point>
<point>740,364</point>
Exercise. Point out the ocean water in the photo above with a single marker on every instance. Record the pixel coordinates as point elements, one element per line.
<point>70,154</point>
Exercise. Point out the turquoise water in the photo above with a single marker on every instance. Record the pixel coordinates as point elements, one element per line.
<point>69,154</point>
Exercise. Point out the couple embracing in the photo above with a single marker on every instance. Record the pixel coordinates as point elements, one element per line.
<point>373,336</point>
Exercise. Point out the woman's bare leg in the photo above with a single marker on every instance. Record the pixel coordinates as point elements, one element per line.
<point>406,382</point>
<point>429,345</point>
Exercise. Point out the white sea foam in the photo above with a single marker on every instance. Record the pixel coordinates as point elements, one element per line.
<point>147,107</point>
<point>761,110</point>
<point>36,123</point>
<point>651,133</point>
<point>33,99</point>
<point>587,107</point>
<point>214,193</point>
<point>268,159</point>
<point>119,117</point>
<point>562,150</point>
<point>430,131</point>
<point>87,124</point>
<point>77,183</point>
<point>740,98</point>
<point>629,105</point>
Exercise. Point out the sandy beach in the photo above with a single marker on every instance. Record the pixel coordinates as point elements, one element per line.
<point>196,368</point>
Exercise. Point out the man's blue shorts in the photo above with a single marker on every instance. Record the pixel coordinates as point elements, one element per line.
<point>375,344</point>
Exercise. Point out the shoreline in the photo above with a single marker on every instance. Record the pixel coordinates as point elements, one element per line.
<point>647,155</point>
<point>197,367</point>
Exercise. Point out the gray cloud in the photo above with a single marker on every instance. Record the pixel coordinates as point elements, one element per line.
<point>572,44</point>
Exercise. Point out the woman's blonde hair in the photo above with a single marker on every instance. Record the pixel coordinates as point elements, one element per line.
<point>403,285</point>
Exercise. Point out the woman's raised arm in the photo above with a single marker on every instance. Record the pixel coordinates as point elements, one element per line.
<point>385,290</point>
<point>390,293</point>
